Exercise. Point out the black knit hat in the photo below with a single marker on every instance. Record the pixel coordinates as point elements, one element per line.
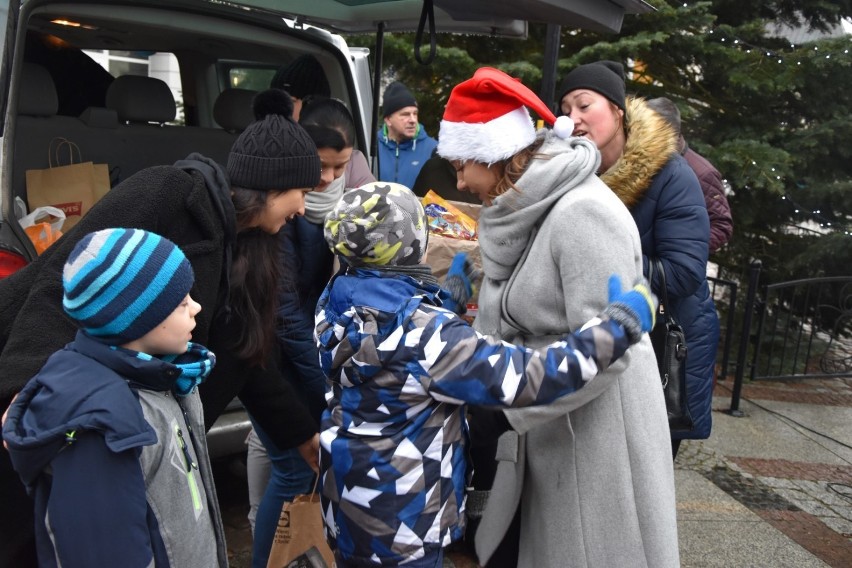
<point>603,77</point>
<point>274,153</point>
<point>397,96</point>
<point>302,77</point>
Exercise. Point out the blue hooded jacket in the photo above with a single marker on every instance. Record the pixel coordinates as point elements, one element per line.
<point>401,162</point>
<point>394,437</point>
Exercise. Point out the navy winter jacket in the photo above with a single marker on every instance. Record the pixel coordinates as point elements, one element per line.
<point>115,462</point>
<point>667,203</point>
<point>672,225</point>
<point>308,263</point>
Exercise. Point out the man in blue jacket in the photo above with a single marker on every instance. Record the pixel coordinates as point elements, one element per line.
<point>404,145</point>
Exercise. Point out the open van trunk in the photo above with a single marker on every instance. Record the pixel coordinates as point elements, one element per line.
<point>494,17</point>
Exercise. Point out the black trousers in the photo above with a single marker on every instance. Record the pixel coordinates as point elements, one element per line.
<point>17,545</point>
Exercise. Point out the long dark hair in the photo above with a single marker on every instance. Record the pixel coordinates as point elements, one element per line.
<point>328,122</point>
<point>254,279</point>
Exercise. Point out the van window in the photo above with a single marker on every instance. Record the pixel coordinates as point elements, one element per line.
<point>160,65</point>
<point>251,78</point>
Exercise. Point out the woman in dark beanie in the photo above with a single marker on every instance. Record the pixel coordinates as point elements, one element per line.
<point>641,164</point>
<point>306,256</point>
<point>227,225</point>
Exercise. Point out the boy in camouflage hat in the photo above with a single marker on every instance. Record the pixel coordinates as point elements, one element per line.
<point>401,367</point>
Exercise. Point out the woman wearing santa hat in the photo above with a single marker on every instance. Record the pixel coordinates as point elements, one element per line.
<point>591,475</point>
<point>641,164</point>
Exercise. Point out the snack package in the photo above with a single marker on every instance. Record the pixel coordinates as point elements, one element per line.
<point>446,219</point>
<point>441,249</point>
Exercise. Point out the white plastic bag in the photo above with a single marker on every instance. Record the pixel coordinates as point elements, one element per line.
<point>41,215</point>
<point>39,227</point>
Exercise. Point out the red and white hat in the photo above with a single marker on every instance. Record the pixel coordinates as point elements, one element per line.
<point>486,119</point>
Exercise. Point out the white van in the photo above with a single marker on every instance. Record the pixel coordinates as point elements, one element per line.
<point>194,67</point>
<point>197,64</point>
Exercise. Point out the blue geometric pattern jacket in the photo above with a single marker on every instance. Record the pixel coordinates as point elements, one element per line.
<point>394,435</point>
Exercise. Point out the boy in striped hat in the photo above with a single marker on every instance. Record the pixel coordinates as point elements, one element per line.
<point>108,437</point>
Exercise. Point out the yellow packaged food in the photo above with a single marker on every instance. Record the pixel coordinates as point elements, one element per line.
<point>446,219</point>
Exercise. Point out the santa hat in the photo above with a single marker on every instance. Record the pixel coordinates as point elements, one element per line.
<point>486,119</point>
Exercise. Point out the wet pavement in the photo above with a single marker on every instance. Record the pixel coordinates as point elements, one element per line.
<point>770,489</point>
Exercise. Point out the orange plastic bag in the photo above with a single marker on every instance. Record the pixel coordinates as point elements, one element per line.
<point>43,226</point>
<point>42,235</point>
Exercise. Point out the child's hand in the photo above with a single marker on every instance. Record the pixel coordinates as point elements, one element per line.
<point>461,282</point>
<point>309,450</point>
<point>5,414</point>
<point>635,310</point>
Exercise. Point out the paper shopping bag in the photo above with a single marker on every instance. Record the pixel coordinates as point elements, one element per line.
<point>74,187</point>
<point>300,538</point>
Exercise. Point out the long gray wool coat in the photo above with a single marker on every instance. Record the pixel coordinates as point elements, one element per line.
<point>591,472</point>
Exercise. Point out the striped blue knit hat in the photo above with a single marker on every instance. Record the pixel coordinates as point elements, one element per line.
<point>122,283</point>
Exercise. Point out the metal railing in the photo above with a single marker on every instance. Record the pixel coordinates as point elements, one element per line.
<point>804,330</point>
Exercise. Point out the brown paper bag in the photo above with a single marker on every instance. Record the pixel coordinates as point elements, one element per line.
<point>441,250</point>
<point>300,538</point>
<point>74,188</point>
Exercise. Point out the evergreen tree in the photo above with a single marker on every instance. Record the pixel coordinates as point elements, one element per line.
<point>774,116</point>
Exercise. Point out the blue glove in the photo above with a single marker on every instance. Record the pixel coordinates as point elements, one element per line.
<point>461,281</point>
<point>635,310</point>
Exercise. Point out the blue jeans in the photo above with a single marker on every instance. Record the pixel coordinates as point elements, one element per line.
<point>289,476</point>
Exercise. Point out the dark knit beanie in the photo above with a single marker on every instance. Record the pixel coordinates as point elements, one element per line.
<point>274,153</point>
<point>302,77</point>
<point>397,96</point>
<point>603,77</point>
<point>120,284</point>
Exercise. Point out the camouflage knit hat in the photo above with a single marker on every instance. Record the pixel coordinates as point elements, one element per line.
<point>378,224</point>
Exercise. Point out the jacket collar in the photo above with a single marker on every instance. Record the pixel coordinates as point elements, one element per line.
<point>140,370</point>
<point>650,145</point>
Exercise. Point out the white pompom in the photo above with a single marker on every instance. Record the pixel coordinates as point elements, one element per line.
<point>563,127</point>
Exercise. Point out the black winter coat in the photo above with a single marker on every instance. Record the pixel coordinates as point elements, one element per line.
<point>177,205</point>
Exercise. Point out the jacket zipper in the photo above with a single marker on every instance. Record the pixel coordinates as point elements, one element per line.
<point>190,464</point>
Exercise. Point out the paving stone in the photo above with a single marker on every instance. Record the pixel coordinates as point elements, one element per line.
<point>812,534</point>
<point>841,526</point>
<point>763,492</point>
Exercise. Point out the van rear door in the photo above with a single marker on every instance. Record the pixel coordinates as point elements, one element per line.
<point>494,17</point>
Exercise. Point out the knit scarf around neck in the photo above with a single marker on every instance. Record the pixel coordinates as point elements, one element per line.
<point>319,203</point>
<point>506,226</point>
<point>194,367</point>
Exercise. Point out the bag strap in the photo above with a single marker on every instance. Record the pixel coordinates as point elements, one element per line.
<point>53,152</point>
<point>656,265</point>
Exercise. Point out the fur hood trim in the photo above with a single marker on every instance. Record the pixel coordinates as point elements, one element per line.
<point>650,145</point>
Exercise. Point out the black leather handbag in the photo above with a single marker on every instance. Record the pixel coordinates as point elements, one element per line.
<point>670,347</point>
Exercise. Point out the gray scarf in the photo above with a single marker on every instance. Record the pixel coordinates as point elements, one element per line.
<point>505,227</point>
<point>319,203</point>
